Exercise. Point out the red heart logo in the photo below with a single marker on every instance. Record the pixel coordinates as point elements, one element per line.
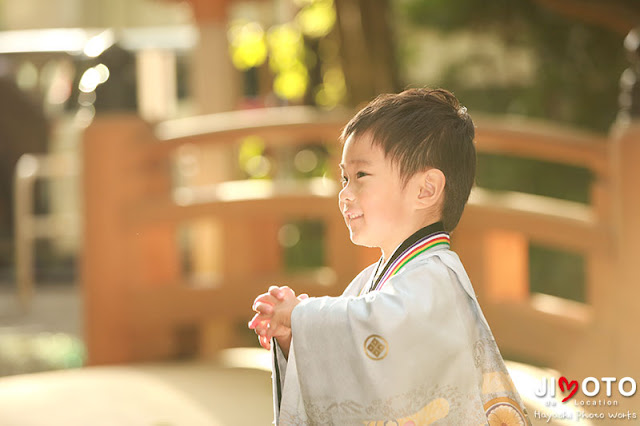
<point>573,385</point>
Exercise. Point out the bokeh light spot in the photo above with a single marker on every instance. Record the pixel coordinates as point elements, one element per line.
<point>288,235</point>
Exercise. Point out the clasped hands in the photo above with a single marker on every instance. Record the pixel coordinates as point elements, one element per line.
<point>273,316</point>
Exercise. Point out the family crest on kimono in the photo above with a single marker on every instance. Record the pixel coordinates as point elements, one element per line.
<point>406,343</point>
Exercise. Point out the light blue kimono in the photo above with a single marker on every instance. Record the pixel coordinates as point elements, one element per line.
<point>416,352</point>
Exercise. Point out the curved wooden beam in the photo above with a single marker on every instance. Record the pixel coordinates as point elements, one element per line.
<point>612,15</point>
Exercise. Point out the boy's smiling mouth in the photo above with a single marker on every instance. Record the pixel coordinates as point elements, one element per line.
<point>351,216</point>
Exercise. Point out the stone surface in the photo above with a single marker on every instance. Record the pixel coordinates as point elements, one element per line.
<point>194,394</point>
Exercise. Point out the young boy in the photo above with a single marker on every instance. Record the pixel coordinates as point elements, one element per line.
<point>406,343</point>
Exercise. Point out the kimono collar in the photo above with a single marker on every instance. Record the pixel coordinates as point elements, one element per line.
<point>422,240</point>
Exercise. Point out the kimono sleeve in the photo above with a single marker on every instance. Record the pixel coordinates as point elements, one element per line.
<point>279,361</point>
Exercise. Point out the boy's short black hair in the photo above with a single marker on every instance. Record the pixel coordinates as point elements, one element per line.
<point>421,129</point>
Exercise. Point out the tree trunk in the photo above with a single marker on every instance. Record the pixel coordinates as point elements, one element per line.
<point>367,48</point>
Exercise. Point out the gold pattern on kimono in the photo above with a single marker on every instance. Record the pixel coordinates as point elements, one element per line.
<point>376,347</point>
<point>504,412</point>
<point>436,410</point>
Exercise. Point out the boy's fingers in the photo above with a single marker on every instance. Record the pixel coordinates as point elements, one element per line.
<point>264,298</point>
<point>259,297</point>
<point>276,292</point>
<point>270,331</point>
<point>264,342</point>
<point>263,328</point>
<point>281,292</point>
<point>258,320</point>
<point>254,321</point>
<point>260,329</point>
<point>287,292</point>
<point>263,308</point>
<point>303,296</point>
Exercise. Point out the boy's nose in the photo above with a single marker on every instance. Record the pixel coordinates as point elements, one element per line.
<point>345,194</point>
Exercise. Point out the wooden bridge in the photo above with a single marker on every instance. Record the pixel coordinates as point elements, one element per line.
<point>140,305</point>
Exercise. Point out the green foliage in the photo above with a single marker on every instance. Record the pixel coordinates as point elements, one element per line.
<point>505,173</point>
<point>252,158</point>
<point>28,352</point>
<point>578,65</point>
<point>557,273</point>
<point>317,18</point>
<point>307,248</point>
<point>296,52</point>
<point>247,45</point>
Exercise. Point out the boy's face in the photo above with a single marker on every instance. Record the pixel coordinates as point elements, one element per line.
<point>376,207</point>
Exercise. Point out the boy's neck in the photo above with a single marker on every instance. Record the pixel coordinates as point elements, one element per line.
<point>427,229</point>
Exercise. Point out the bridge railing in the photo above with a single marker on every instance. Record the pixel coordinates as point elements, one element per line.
<point>139,305</point>
<point>497,229</point>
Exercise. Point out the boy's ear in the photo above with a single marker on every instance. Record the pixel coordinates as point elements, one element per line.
<point>431,189</point>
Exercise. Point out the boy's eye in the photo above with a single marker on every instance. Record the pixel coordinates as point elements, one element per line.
<point>345,179</point>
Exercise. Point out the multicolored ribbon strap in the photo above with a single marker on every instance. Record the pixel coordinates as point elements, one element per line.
<point>419,247</point>
<point>424,239</point>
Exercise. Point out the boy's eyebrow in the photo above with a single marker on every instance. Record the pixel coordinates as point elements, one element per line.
<point>365,162</point>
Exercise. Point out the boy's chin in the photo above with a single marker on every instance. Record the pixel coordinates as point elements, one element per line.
<point>360,240</point>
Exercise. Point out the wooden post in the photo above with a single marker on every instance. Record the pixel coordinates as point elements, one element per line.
<point>214,81</point>
<point>625,284</point>
<point>215,88</point>
<point>506,257</point>
<point>156,77</point>
<point>25,178</point>
<point>108,167</point>
<point>466,241</point>
<point>117,260</point>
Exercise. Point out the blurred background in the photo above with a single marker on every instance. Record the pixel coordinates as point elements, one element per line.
<point>163,162</point>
